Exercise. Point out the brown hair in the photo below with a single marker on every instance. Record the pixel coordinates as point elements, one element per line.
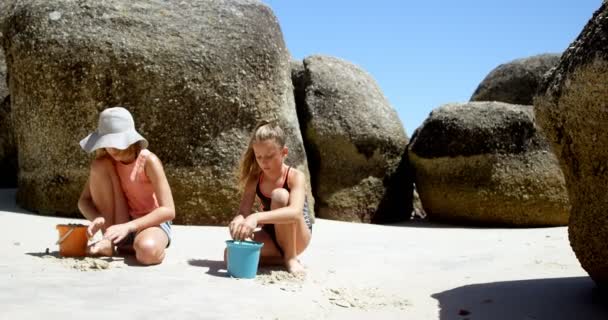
<point>263,131</point>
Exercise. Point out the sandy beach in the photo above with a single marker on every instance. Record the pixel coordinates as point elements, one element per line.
<point>354,271</point>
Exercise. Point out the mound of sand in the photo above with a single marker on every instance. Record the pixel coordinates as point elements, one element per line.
<point>81,264</point>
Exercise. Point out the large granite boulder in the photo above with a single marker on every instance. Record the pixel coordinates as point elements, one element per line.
<point>487,163</point>
<point>8,150</point>
<point>515,82</point>
<point>197,76</point>
<point>3,80</point>
<point>355,143</point>
<point>572,109</point>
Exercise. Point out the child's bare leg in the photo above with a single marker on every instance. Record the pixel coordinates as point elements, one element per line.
<point>150,246</point>
<point>109,200</point>
<point>102,194</point>
<point>121,209</point>
<point>270,254</point>
<point>292,237</point>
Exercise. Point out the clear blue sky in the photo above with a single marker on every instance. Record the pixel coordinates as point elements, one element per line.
<point>428,52</point>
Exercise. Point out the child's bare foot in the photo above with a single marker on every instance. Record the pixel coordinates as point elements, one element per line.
<point>103,247</point>
<point>294,267</point>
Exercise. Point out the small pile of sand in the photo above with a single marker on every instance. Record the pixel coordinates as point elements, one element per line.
<point>369,298</point>
<point>82,264</point>
<point>282,278</point>
<point>88,264</point>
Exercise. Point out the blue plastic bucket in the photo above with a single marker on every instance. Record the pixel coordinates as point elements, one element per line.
<point>243,258</point>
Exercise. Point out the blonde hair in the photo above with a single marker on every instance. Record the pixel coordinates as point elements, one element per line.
<point>265,130</point>
<point>134,148</point>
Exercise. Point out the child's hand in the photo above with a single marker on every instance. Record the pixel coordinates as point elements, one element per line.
<point>118,232</point>
<point>246,227</point>
<point>234,224</point>
<point>95,226</point>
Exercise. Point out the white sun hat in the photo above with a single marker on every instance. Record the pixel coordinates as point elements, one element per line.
<point>116,129</point>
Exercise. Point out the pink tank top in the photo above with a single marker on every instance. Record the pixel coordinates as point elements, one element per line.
<point>138,189</point>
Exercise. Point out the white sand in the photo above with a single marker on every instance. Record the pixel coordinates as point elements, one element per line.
<point>355,271</point>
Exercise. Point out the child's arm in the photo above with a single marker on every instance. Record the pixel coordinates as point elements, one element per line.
<point>165,212</point>
<point>248,197</point>
<point>245,207</point>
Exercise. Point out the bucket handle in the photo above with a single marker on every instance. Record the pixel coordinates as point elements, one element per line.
<point>65,236</point>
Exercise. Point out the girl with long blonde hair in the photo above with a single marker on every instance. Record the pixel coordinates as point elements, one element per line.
<point>286,225</point>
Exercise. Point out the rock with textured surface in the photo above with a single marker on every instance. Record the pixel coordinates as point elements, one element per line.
<point>197,76</point>
<point>8,150</point>
<point>355,143</point>
<point>487,163</point>
<point>515,82</point>
<point>3,80</point>
<point>571,109</point>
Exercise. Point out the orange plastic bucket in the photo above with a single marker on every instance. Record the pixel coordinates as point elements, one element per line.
<point>74,244</point>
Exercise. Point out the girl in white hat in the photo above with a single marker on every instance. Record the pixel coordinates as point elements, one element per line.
<point>127,195</point>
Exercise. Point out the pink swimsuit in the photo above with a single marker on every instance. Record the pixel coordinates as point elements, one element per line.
<point>136,186</point>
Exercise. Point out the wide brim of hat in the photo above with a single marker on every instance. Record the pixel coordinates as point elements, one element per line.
<point>121,140</point>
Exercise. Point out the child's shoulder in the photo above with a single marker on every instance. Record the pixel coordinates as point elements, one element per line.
<point>148,159</point>
<point>149,163</point>
<point>295,173</point>
<point>148,155</point>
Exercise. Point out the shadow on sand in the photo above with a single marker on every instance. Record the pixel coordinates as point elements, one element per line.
<point>127,259</point>
<point>54,254</point>
<point>218,268</point>
<point>214,267</point>
<point>555,299</point>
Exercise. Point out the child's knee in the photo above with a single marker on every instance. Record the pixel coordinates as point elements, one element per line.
<point>279,197</point>
<point>148,252</point>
